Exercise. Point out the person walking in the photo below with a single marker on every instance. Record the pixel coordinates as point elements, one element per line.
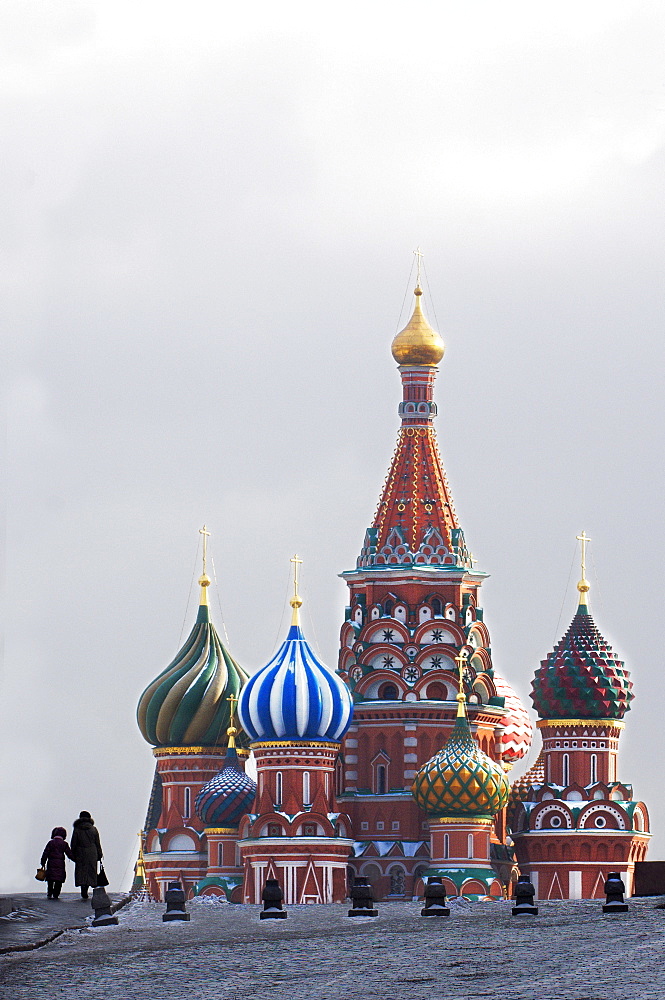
<point>53,859</point>
<point>87,852</point>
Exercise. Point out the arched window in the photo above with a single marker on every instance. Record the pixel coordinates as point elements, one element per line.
<point>565,769</point>
<point>437,607</point>
<point>396,881</point>
<point>238,856</point>
<point>388,607</point>
<point>339,777</point>
<point>278,788</point>
<point>594,768</point>
<point>389,692</point>
<point>469,845</point>
<point>181,842</point>
<point>381,779</point>
<point>446,845</point>
<point>220,855</point>
<point>188,804</point>
<point>326,783</point>
<point>306,798</point>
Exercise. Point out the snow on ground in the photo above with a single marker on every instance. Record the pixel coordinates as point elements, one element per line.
<point>224,952</point>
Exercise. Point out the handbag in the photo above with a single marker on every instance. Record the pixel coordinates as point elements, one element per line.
<point>101,877</point>
<point>41,875</point>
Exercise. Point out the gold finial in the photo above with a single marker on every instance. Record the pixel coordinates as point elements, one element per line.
<point>418,344</point>
<point>139,867</point>
<point>204,579</point>
<point>460,660</point>
<point>583,586</point>
<point>296,601</point>
<point>231,732</point>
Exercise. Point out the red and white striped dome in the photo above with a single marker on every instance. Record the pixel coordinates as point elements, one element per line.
<point>518,730</point>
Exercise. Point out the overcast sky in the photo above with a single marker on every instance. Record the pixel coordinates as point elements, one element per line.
<point>207,218</point>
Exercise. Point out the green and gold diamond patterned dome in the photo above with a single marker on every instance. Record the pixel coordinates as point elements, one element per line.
<point>460,781</point>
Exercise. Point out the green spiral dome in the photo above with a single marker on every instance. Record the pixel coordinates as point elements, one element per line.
<point>187,705</point>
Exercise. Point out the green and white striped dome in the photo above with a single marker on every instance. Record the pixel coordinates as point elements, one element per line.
<point>187,705</point>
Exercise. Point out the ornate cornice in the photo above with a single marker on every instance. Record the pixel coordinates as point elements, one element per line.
<point>216,830</point>
<point>296,745</point>
<point>602,723</point>
<point>460,821</point>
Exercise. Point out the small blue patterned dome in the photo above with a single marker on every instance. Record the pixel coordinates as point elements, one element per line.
<point>295,697</point>
<point>225,799</point>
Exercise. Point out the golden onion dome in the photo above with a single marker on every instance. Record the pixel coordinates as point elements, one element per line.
<point>417,343</point>
<point>461,781</point>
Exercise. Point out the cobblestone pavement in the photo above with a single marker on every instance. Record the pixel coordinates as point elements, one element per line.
<point>36,918</point>
<point>569,952</point>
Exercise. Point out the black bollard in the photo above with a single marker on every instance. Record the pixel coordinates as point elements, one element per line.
<point>273,899</point>
<point>101,904</point>
<point>362,898</point>
<point>524,893</point>
<point>435,899</point>
<point>614,890</point>
<point>175,903</point>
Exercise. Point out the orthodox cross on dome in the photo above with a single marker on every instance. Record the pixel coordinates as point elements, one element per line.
<point>460,660</point>
<point>296,563</point>
<point>418,254</point>
<point>206,534</point>
<point>583,539</point>
<point>204,579</point>
<point>232,731</point>
<point>583,585</point>
<point>296,601</point>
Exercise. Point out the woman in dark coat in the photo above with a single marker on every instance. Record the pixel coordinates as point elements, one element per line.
<point>87,852</point>
<point>53,859</point>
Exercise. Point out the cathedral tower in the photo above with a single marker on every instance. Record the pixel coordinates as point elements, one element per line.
<point>220,805</point>
<point>296,711</point>
<point>184,714</point>
<point>462,789</point>
<point>571,819</point>
<point>414,606</point>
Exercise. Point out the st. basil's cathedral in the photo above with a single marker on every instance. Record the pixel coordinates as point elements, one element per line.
<point>393,766</point>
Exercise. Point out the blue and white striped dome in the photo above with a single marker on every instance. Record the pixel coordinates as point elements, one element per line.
<point>295,697</point>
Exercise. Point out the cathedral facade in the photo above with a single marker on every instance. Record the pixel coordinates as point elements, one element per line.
<point>393,766</point>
